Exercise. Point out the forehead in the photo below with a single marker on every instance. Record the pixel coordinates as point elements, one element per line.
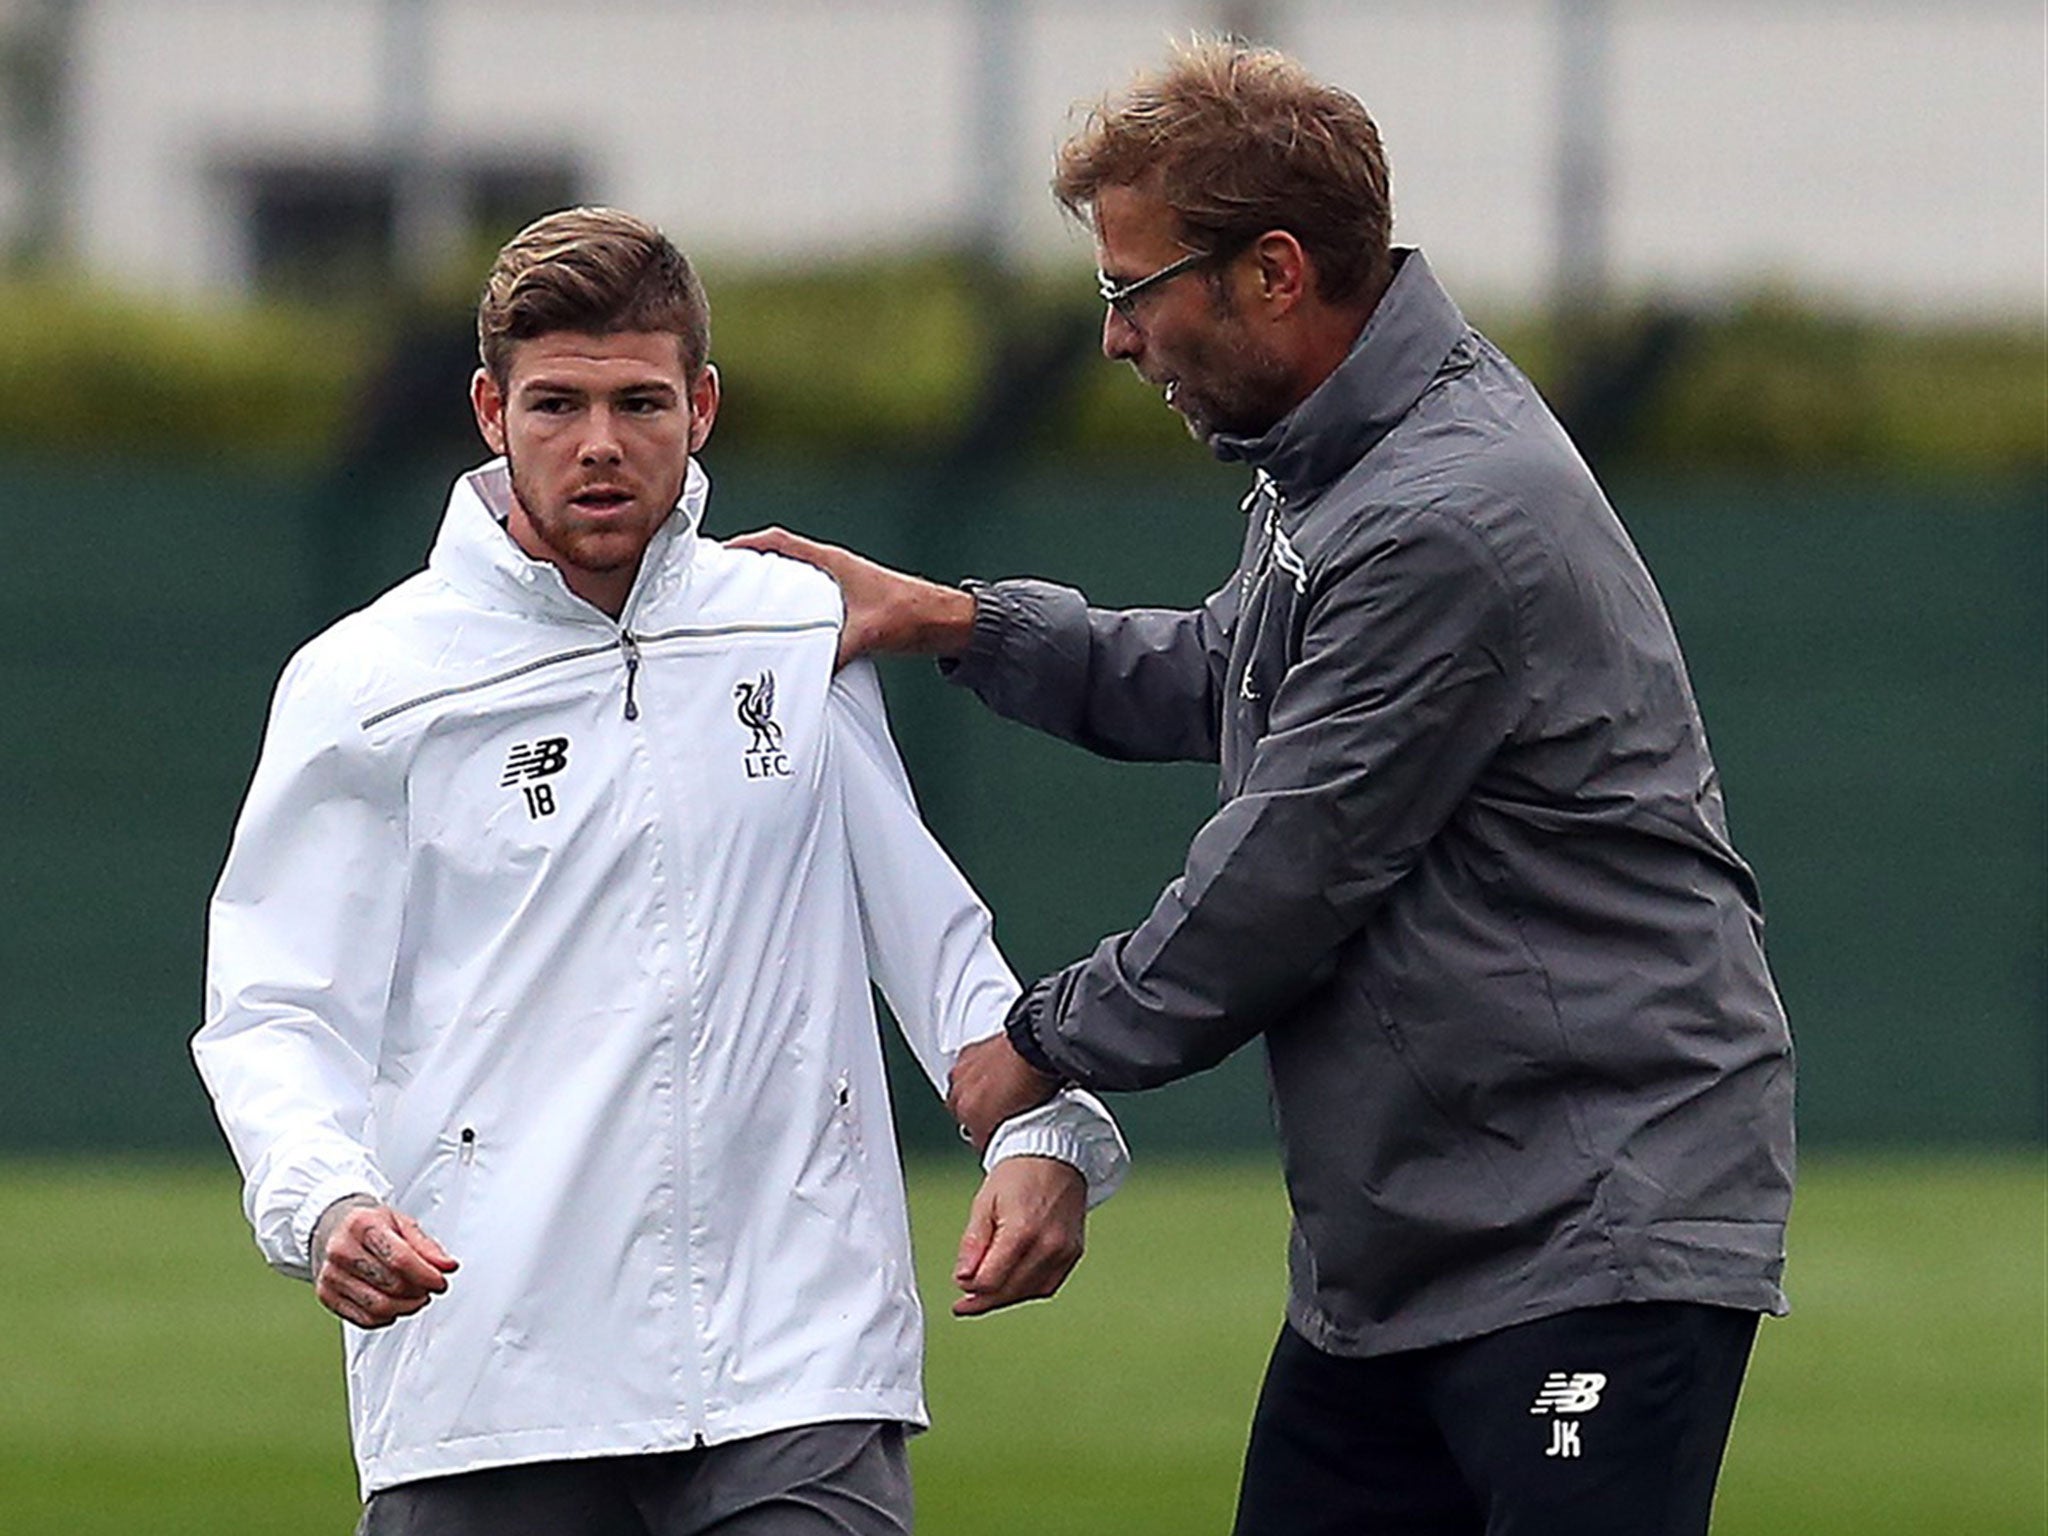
<point>587,361</point>
<point>1135,231</point>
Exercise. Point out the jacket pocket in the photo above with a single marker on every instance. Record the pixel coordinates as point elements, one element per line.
<point>1404,1053</point>
<point>1427,1128</point>
<point>465,1174</point>
<point>864,1225</point>
<point>438,1198</point>
<point>846,1125</point>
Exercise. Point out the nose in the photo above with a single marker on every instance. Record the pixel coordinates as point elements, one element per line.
<point>600,438</point>
<point>1120,339</point>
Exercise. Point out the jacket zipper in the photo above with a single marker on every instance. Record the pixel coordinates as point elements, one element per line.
<point>631,649</point>
<point>448,1226</point>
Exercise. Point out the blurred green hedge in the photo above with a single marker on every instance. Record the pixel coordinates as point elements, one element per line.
<point>1775,386</point>
<point>82,373</point>
<point>895,358</point>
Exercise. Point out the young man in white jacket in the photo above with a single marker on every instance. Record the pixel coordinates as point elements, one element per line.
<point>545,940</point>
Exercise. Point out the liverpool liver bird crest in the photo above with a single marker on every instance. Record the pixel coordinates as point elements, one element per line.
<point>756,709</point>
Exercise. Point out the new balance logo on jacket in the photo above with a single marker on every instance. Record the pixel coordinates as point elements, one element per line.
<point>536,760</point>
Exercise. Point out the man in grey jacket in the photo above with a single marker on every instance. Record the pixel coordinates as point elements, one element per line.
<point>1470,881</point>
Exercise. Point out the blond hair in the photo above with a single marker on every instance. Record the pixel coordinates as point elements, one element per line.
<point>1239,141</point>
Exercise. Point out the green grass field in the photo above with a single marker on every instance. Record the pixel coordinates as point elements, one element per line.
<point>154,1377</point>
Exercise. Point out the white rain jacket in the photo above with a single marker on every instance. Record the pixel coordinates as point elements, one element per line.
<point>557,932</point>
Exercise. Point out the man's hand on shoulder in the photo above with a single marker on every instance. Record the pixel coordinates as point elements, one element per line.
<point>1024,1234</point>
<point>887,612</point>
<point>373,1265</point>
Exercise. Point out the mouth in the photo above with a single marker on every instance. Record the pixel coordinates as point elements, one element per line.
<point>1168,386</point>
<point>601,499</point>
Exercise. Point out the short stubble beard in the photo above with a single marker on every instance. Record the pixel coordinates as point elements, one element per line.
<point>548,534</point>
<point>1259,389</point>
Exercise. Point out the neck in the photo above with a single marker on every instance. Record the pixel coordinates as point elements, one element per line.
<point>1322,347</point>
<point>606,591</point>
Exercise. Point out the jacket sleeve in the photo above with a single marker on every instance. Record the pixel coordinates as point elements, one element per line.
<point>1139,684</point>
<point>1405,684</point>
<point>930,941</point>
<point>301,938</point>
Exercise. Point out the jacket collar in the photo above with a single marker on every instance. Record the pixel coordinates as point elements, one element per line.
<point>474,553</point>
<point>1396,356</point>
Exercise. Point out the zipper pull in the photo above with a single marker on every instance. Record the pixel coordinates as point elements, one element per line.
<point>468,1153</point>
<point>631,648</point>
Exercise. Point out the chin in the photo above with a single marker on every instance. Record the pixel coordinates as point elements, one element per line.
<point>607,551</point>
<point>1198,426</point>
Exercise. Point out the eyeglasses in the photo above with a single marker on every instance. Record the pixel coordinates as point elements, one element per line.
<point>1123,297</point>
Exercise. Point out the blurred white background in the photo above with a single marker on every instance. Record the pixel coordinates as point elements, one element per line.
<point>1884,153</point>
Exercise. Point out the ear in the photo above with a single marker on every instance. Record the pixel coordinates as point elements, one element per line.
<point>1285,272</point>
<point>488,401</point>
<point>703,405</point>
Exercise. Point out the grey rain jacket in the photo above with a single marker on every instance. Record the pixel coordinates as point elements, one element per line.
<point>1470,880</point>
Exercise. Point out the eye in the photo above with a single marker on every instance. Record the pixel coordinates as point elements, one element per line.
<point>644,405</point>
<point>551,405</point>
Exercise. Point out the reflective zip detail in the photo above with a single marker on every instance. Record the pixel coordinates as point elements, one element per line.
<point>484,682</point>
<point>721,631</point>
<point>628,643</point>
<point>1271,553</point>
<point>1264,496</point>
<point>1287,559</point>
<point>631,649</point>
<point>1262,483</point>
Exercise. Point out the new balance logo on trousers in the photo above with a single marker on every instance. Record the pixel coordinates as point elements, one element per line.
<point>1601,1421</point>
<point>1564,1394</point>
